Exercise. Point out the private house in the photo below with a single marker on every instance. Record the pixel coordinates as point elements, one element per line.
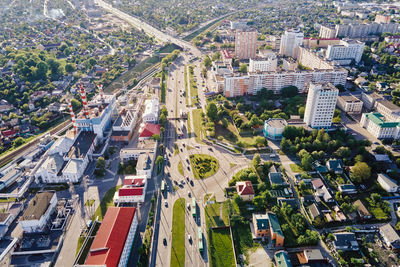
<point>362,211</point>
<point>319,167</point>
<point>347,189</point>
<point>245,190</point>
<point>335,165</point>
<point>261,225</point>
<point>37,214</point>
<point>311,257</point>
<point>321,191</point>
<point>275,176</point>
<point>113,242</point>
<point>282,259</point>
<point>345,241</point>
<point>390,236</point>
<point>314,212</point>
<point>317,183</point>
<point>388,184</point>
<point>289,201</point>
<point>267,225</point>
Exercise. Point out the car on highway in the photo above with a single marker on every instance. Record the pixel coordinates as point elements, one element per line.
<point>166,204</point>
<point>164,241</point>
<point>191,183</point>
<point>188,206</point>
<point>190,239</point>
<point>188,168</point>
<point>189,194</point>
<point>181,150</point>
<point>175,182</point>
<point>183,181</point>
<point>188,179</point>
<point>210,148</point>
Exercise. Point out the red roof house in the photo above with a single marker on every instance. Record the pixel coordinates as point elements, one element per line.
<point>317,183</point>
<point>149,130</point>
<point>134,181</point>
<point>245,190</point>
<point>130,191</point>
<point>108,245</point>
<point>8,133</point>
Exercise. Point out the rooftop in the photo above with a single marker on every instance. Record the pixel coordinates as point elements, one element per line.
<point>110,240</point>
<point>130,191</point>
<point>362,210</point>
<point>378,119</point>
<point>261,221</point>
<point>389,181</point>
<point>389,233</point>
<point>82,144</point>
<point>245,188</point>
<point>150,129</point>
<point>273,220</point>
<point>349,98</point>
<point>282,259</point>
<point>276,123</point>
<point>37,206</point>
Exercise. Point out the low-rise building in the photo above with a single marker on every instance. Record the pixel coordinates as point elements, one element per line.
<point>273,128</point>
<point>369,99</point>
<point>275,177</point>
<point>335,165</point>
<point>261,225</point>
<point>390,236</point>
<point>345,241</point>
<point>282,259</point>
<point>114,239</point>
<point>149,130</point>
<point>122,128</point>
<point>267,225</point>
<point>387,183</point>
<point>350,104</point>
<point>376,124</point>
<point>245,190</point>
<point>7,218</point>
<point>390,111</point>
<point>150,113</point>
<point>347,189</point>
<point>37,214</point>
<point>309,257</point>
<point>362,211</point>
<point>132,191</point>
<point>314,211</point>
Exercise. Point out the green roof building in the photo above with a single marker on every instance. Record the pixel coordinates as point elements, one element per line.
<point>376,124</point>
<point>282,259</point>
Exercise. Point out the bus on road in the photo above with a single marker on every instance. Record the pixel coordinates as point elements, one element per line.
<point>194,207</point>
<point>200,239</point>
<point>162,186</point>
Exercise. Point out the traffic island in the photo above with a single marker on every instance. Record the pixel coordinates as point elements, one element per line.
<point>203,166</point>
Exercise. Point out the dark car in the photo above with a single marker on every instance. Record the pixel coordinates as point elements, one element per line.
<point>188,168</point>
<point>210,148</point>
<point>175,182</point>
<point>165,241</point>
<point>187,179</point>
<point>191,183</point>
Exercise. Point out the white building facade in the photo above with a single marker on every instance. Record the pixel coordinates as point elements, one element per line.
<point>377,126</point>
<point>151,110</point>
<point>320,105</point>
<point>263,64</point>
<point>290,42</point>
<point>346,52</point>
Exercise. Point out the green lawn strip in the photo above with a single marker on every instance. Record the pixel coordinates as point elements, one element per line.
<point>189,128</point>
<point>180,167</point>
<point>378,213</point>
<point>89,202</point>
<point>186,87</point>
<point>178,233</point>
<point>232,165</point>
<point>296,168</point>
<point>193,86</point>
<point>81,239</point>
<point>106,202</point>
<point>196,113</point>
<point>212,215</point>
<point>203,165</point>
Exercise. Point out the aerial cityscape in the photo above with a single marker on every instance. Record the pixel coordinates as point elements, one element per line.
<point>199,133</point>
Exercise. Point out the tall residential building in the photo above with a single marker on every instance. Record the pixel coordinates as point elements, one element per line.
<point>269,63</point>
<point>290,42</point>
<point>253,82</point>
<point>245,44</point>
<point>382,18</point>
<point>327,32</point>
<point>320,105</point>
<point>347,51</point>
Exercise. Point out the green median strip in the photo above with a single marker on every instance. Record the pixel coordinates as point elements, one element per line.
<point>178,233</point>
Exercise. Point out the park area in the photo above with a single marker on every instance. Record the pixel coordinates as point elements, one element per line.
<point>203,165</point>
<point>178,234</point>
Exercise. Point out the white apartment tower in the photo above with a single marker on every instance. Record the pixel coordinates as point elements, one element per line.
<point>245,44</point>
<point>346,51</point>
<point>290,42</point>
<point>269,63</point>
<point>320,105</point>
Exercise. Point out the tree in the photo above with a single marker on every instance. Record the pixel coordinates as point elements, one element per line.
<point>162,120</point>
<point>224,122</point>
<point>256,160</point>
<point>306,162</point>
<point>212,112</point>
<point>289,91</point>
<point>41,71</point>
<point>207,61</point>
<point>69,68</point>
<point>76,105</point>
<point>18,141</point>
<point>159,160</point>
<point>156,137</point>
<point>243,68</point>
<point>259,141</point>
<point>301,111</point>
<point>360,172</point>
<point>101,163</point>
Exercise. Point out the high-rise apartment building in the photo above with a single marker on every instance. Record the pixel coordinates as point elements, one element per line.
<point>320,105</point>
<point>245,44</point>
<point>347,51</point>
<point>268,63</point>
<point>290,42</point>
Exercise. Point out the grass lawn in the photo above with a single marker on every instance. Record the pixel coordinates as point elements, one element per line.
<point>186,87</point>
<point>81,239</point>
<point>178,234</point>
<point>221,250</point>
<point>296,168</point>
<point>232,165</point>
<point>198,128</point>
<point>106,202</point>
<point>180,167</point>
<point>193,88</point>
<point>189,127</point>
<point>203,166</point>
<point>231,135</point>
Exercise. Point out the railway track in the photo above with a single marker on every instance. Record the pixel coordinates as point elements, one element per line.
<point>26,147</point>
